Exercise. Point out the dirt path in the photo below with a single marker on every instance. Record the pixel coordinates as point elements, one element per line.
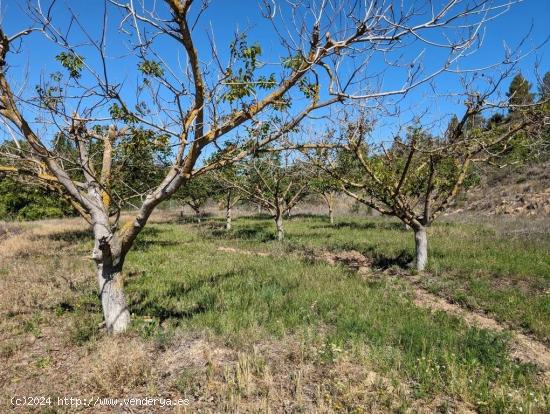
<point>247,252</point>
<point>524,348</point>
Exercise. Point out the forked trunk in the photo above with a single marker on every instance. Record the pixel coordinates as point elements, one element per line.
<point>421,246</point>
<point>113,301</point>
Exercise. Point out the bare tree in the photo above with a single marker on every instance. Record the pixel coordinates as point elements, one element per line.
<point>326,186</point>
<point>231,201</point>
<point>204,98</point>
<point>225,180</point>
<point>418,175</point>
<point>273,181</point>
<point>195,194</point>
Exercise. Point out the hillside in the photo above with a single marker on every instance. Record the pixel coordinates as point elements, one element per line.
<point>521,192</point>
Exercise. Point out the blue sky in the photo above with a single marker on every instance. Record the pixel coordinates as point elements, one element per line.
<point>36,55</point>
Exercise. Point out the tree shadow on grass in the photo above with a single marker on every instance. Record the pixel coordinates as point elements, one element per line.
<point>261,232</point>
<point>142,245</point>
<point>71,236</point>
<point>307,216</point>
<point>166,305</point>
<point>148,239</point>
<point>82,235</point>
<point>255,216</point>
<point>309,234</point>
<point>403,260</point>
<point>193,219</point>
<point>361,225</point>
<point>381,261</point>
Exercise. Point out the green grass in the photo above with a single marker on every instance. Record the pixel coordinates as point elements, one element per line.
<point>478,266</point>
<point>178,280</point>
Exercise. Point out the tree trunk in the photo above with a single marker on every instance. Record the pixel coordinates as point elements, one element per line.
<point>109,260</point>
<point>197,211</point>
<point>421,245</point>
<point>329,200</point>
<point>228,217</point>
<point>279,224</point>
<point>113,301</point>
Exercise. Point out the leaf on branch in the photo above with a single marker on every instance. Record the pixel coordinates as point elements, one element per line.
<point>72,62</point>
<point>241,79</point>
<point>151,68</point>
<point>121,113</point>
<point>294,62</point>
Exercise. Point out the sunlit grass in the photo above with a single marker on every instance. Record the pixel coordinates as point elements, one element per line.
<point>476,265</point>
<point>180,281</point>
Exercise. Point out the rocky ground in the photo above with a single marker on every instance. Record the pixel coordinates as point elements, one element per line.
<point>511,192</point>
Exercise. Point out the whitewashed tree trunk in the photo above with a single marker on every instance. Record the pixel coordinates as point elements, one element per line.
<point>330,210</point>
<point>421,245</point>
<point>228,211</point>
<point>279,225</point>
<point>228,218</point>
<point>109,261</point>
<point>113,301</point>
<point>197,211</point>
<point>329,200</point>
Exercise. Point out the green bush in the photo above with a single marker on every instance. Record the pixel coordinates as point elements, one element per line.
<point>19,201</point>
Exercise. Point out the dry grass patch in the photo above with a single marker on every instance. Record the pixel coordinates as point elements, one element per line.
<point>118,366</point>
<point>27,285</point>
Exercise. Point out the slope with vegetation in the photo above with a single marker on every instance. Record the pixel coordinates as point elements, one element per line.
<point>512,191</point>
